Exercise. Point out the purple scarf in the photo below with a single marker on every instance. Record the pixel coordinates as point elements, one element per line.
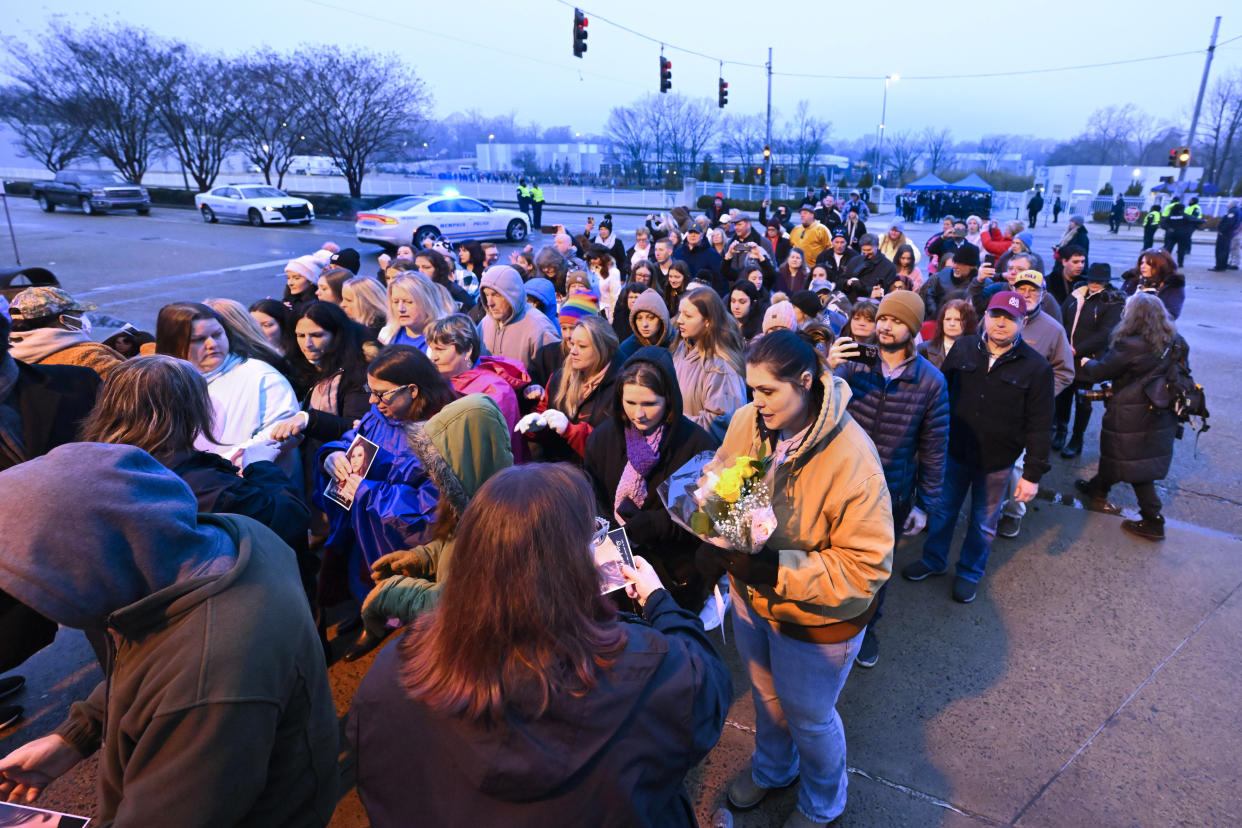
<point>642,454</point>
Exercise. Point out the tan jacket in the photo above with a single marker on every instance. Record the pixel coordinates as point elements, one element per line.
<point>834,520</point>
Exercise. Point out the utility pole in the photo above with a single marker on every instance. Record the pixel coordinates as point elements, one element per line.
<point>767,163</point>
<point>1194,119</point>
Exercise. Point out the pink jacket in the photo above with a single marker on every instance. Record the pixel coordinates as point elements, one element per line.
<point>500,378</point>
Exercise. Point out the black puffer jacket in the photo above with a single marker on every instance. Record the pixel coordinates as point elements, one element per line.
<point>1136,437</point>
<point>668,547</point>
<point>945,287</point>
<point>908,420</point>
<point>864,274</point>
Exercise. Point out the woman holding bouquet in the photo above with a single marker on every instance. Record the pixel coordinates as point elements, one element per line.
<point>802,602</point>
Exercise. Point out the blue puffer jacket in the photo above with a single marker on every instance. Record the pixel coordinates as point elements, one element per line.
<point>908,420</point>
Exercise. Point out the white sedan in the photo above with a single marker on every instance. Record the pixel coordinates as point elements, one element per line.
<point>414,219</point>
<point>258,204</point>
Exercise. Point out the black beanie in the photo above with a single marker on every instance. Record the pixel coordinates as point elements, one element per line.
<point>807,301</point>
<point>348,259</point>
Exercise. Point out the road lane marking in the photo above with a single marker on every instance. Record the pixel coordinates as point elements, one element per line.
<point>182,276</point>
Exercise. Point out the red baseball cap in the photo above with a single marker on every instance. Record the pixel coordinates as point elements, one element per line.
<point>1009,302</point>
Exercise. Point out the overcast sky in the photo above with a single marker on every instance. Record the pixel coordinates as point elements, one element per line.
<point>499,56</point>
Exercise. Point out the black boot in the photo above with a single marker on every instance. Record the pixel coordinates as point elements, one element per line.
<point>1092,498</point>
<point>1149,528</point>
<point>1073,448</point>
<point>1058,438</point>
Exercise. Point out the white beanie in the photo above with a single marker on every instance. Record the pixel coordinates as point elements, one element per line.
<point>323,256</point>
<point>305,266</point>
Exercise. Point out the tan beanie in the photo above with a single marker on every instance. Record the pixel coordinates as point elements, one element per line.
<point>906,306</point>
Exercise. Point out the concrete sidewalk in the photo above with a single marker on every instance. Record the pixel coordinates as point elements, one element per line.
<point>1093,682</point>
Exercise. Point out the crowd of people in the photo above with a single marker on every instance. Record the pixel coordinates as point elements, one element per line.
<point>436,447</point>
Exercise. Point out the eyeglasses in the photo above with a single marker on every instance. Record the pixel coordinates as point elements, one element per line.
<point>385,397</point>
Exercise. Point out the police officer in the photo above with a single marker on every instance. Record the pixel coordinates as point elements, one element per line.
<point>536,201</point>
<point>1151,223</point>
<point>523,197</point>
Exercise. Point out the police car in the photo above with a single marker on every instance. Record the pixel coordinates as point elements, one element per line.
<point>449,216</point>
<point>258,204</point>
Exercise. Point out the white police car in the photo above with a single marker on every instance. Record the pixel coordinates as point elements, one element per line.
<point>258,204</point>
<point>414,219</point>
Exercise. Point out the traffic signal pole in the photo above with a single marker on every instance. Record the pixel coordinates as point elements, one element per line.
<point>1194,120</point>
<point>767,163</point>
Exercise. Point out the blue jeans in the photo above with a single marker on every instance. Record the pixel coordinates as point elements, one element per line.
<point>795,686</point>
<point>987,496</point>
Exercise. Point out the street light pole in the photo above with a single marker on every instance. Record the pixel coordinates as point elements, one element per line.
<point>879,142</point>
<point>767,162</point>
<point>1194,119</point>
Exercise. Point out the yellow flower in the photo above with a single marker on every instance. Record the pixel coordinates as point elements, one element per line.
<point>729,479</point>
<point>747,471</point>
<point>731,494</point>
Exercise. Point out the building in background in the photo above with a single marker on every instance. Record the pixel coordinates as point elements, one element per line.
<point>574,158</point>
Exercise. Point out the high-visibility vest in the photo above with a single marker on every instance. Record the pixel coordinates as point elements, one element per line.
<point>523,192</point>
<point>1194,211</point>
<point>536,193</point>
<point>1152,219</point>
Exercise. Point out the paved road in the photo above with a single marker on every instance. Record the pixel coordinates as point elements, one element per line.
<point>1094,681</point>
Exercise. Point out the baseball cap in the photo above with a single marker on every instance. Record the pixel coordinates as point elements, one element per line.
<point>42,302</point>
<point>1010,303</point>
<point>808,207</point>
<point>1031,277</point>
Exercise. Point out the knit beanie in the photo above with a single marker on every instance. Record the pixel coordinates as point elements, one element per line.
<point>780,315</point>
<point>348,259</point>
<point>578,306</point>
<point>807,301</point>
<point>306,266</point>
<point>904,305</point>
<point>322,257</point>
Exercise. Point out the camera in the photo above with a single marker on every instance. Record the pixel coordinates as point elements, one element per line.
<point>1090,395</point>
<point>867,354</point>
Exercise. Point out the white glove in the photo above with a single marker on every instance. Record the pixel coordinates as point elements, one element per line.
<point>556,421</point>
<point>915,523</point>
<point>531,422</point>
<point>268,450</point>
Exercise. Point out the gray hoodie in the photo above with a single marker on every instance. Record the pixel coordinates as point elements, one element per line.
<point>215,708</point>
<point>523,333</point>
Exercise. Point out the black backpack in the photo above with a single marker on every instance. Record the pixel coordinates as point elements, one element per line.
<point>1174,387</point>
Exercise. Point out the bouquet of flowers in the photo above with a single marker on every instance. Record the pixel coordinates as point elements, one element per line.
<point>730,506</point>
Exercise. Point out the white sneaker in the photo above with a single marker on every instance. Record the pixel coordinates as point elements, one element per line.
<point>712,614</point>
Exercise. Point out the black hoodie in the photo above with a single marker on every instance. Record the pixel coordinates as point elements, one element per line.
<point>668,547</point>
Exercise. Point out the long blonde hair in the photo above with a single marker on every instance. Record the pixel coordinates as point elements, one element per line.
<point>572,388</point>
<point>434,300</point>
<point>370,300</point>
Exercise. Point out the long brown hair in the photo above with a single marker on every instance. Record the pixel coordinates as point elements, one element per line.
<point>158,403</point>
<point>723,337</point>
<point>521,620</point>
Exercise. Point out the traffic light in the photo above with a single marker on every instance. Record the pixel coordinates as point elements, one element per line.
<point>666,74</point>
<point>580,33</point>
<point>1172,158</point>
<point>767,153</point>
<point>722,93</point>
<point>1183,157</point>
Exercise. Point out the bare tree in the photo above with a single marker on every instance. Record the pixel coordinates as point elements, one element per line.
<point>629,132</point>
<point>993,149</point>
<point>1109,130</point>
<point>271,119</point>
<point>936,146</point>
<point>197,110</point>
<point>804,137</point>
<point>1223,118</point>
<point>41,134</point>
<point>1148,136</point>
<point>692,125</point>
<point>903,153</point>
<point>741,137</point>
<point>359,105</point>
<point>103,81</point>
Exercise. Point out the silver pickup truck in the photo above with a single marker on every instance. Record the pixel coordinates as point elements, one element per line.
<point>93,191</point>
